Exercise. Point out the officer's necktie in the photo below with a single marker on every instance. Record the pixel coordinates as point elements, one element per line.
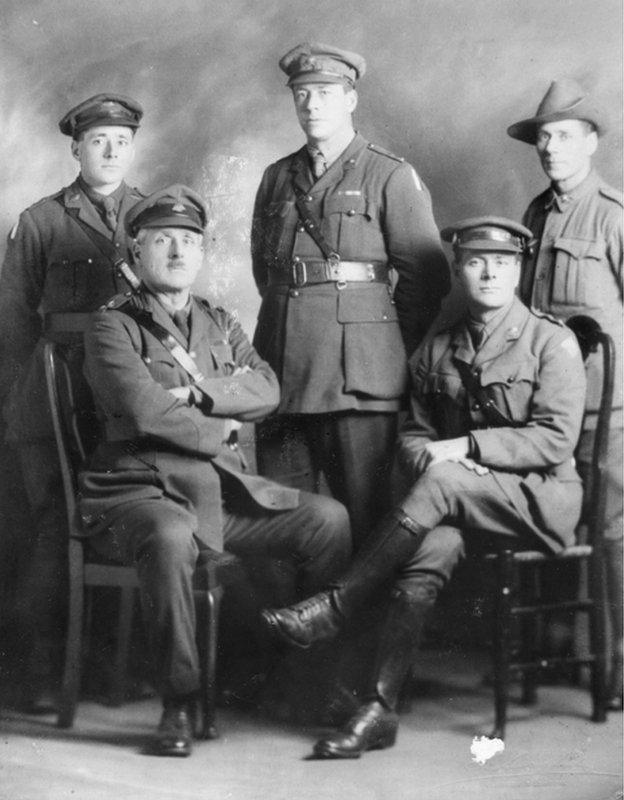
<point>477,334</point>
<point>319,165</point>
<point>111,212</point>
<point>181,320</point>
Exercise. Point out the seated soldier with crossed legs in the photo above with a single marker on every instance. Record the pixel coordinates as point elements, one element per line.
<point>497,401</point>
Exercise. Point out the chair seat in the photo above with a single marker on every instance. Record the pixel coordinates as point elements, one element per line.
<point>535,556</point>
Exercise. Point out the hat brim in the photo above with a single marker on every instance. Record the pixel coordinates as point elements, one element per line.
<point>489,245</point>
<point>165,222</point>
<point>319,77</point>
<point>526,129</point>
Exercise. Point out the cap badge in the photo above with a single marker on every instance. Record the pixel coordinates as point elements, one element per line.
<point>178,208</point>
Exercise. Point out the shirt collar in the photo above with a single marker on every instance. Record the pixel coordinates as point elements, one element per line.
<point>333,150</point>
<point>565,200</point>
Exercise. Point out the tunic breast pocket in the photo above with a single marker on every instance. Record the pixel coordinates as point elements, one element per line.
<point>575,271</point>
<point>79,284</point>
<point>510,385</point>
<point>349,217</point>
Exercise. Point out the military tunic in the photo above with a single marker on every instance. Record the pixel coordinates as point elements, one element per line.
<point>531,368</point>
<point>158,447</point>
<point>59,259</point>
<point>164,484</point>
<point>578,269</point>
<point>339,349</point>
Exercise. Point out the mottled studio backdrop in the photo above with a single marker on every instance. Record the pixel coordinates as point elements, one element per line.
<point>445,78</point>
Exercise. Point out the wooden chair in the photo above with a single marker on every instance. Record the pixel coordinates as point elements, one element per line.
<point>75,426</point>
<point>517,580</point>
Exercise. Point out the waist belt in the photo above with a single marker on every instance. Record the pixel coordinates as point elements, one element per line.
<point>65,326</point>
<point>300,273</point>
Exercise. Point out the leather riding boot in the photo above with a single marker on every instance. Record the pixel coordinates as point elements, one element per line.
<point>375,725</point>
<point>321,616</point>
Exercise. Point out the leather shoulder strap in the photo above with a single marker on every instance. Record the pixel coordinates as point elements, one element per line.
<point>182,356</point>
<point>313,227</point>
<point>494,415</point>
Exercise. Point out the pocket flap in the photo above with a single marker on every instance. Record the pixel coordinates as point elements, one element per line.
<point>509,372</point>
<point>346,204</point>
<point>580,248</point>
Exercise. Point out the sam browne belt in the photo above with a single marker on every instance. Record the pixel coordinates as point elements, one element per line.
<point>315,270</point>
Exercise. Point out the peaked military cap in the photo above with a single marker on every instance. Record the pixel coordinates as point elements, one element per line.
<point>565,99</point>
<point>101,109</point>
<point>488,233</point>
<point>175,206</point>
<point>312,62</point>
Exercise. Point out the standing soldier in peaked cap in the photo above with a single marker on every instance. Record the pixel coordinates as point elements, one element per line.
<point>332,223</point>
<point>577,268</point>
<point>496,403</point>
<point>173,377</point>
<point>59,264</point>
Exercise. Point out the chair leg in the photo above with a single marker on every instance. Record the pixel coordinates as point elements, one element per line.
<point>124,629</point>
<point>597,622</point>
<point>502,640</point>
<point>208,622</point>
<point>529,633</point>
<point>73,651</point>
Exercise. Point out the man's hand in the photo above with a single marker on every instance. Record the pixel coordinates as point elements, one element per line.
<point>181,392</point>
<point>446,450</point>
<point>450,450</point>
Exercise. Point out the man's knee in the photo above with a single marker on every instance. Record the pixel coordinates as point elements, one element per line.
<point>161,536</point>
<point>327,523</point>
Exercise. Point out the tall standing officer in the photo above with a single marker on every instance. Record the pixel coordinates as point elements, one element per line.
<point>59,264</point>
<point>331,221</point>
<point>577,269</point>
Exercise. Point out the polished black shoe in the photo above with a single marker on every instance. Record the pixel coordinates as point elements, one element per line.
<point>175,730</point>
<point>373,727</point>
<point>312,620</point>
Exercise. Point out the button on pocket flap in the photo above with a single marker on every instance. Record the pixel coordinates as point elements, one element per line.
<point>346,204</point>
<point>370,304</point>
<point>510,372</point>
<point>580,248</point>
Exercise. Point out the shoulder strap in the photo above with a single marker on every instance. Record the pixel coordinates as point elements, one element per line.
<point>494,415</point>
<point>313,227</point>
<point>182,356</point>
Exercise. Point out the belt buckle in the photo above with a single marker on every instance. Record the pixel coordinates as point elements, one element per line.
<point>299,273</point>
<point>333,261</point>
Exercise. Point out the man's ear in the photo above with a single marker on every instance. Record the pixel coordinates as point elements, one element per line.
<point>135,249</point>
<point>75,149</point>
<point>591,143</point>
<point>353,100</point>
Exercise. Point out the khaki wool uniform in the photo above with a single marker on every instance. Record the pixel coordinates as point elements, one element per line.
<point>531,369</point>
<point>163,485</point>
<point>339,349</point>
<point>577,268</point>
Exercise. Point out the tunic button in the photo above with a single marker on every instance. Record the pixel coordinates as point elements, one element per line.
<point>476,407</point>
<point>147,359</point>
<point>293,293</point>
<point>89,261</point>
<point>351,212</point>
<point>308,198</point>
<point>192,354</point>
<point>384,316</point>
<point>300,229</point>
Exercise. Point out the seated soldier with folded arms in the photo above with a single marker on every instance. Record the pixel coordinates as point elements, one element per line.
<point>497,401</point>
<point>173,377</point>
